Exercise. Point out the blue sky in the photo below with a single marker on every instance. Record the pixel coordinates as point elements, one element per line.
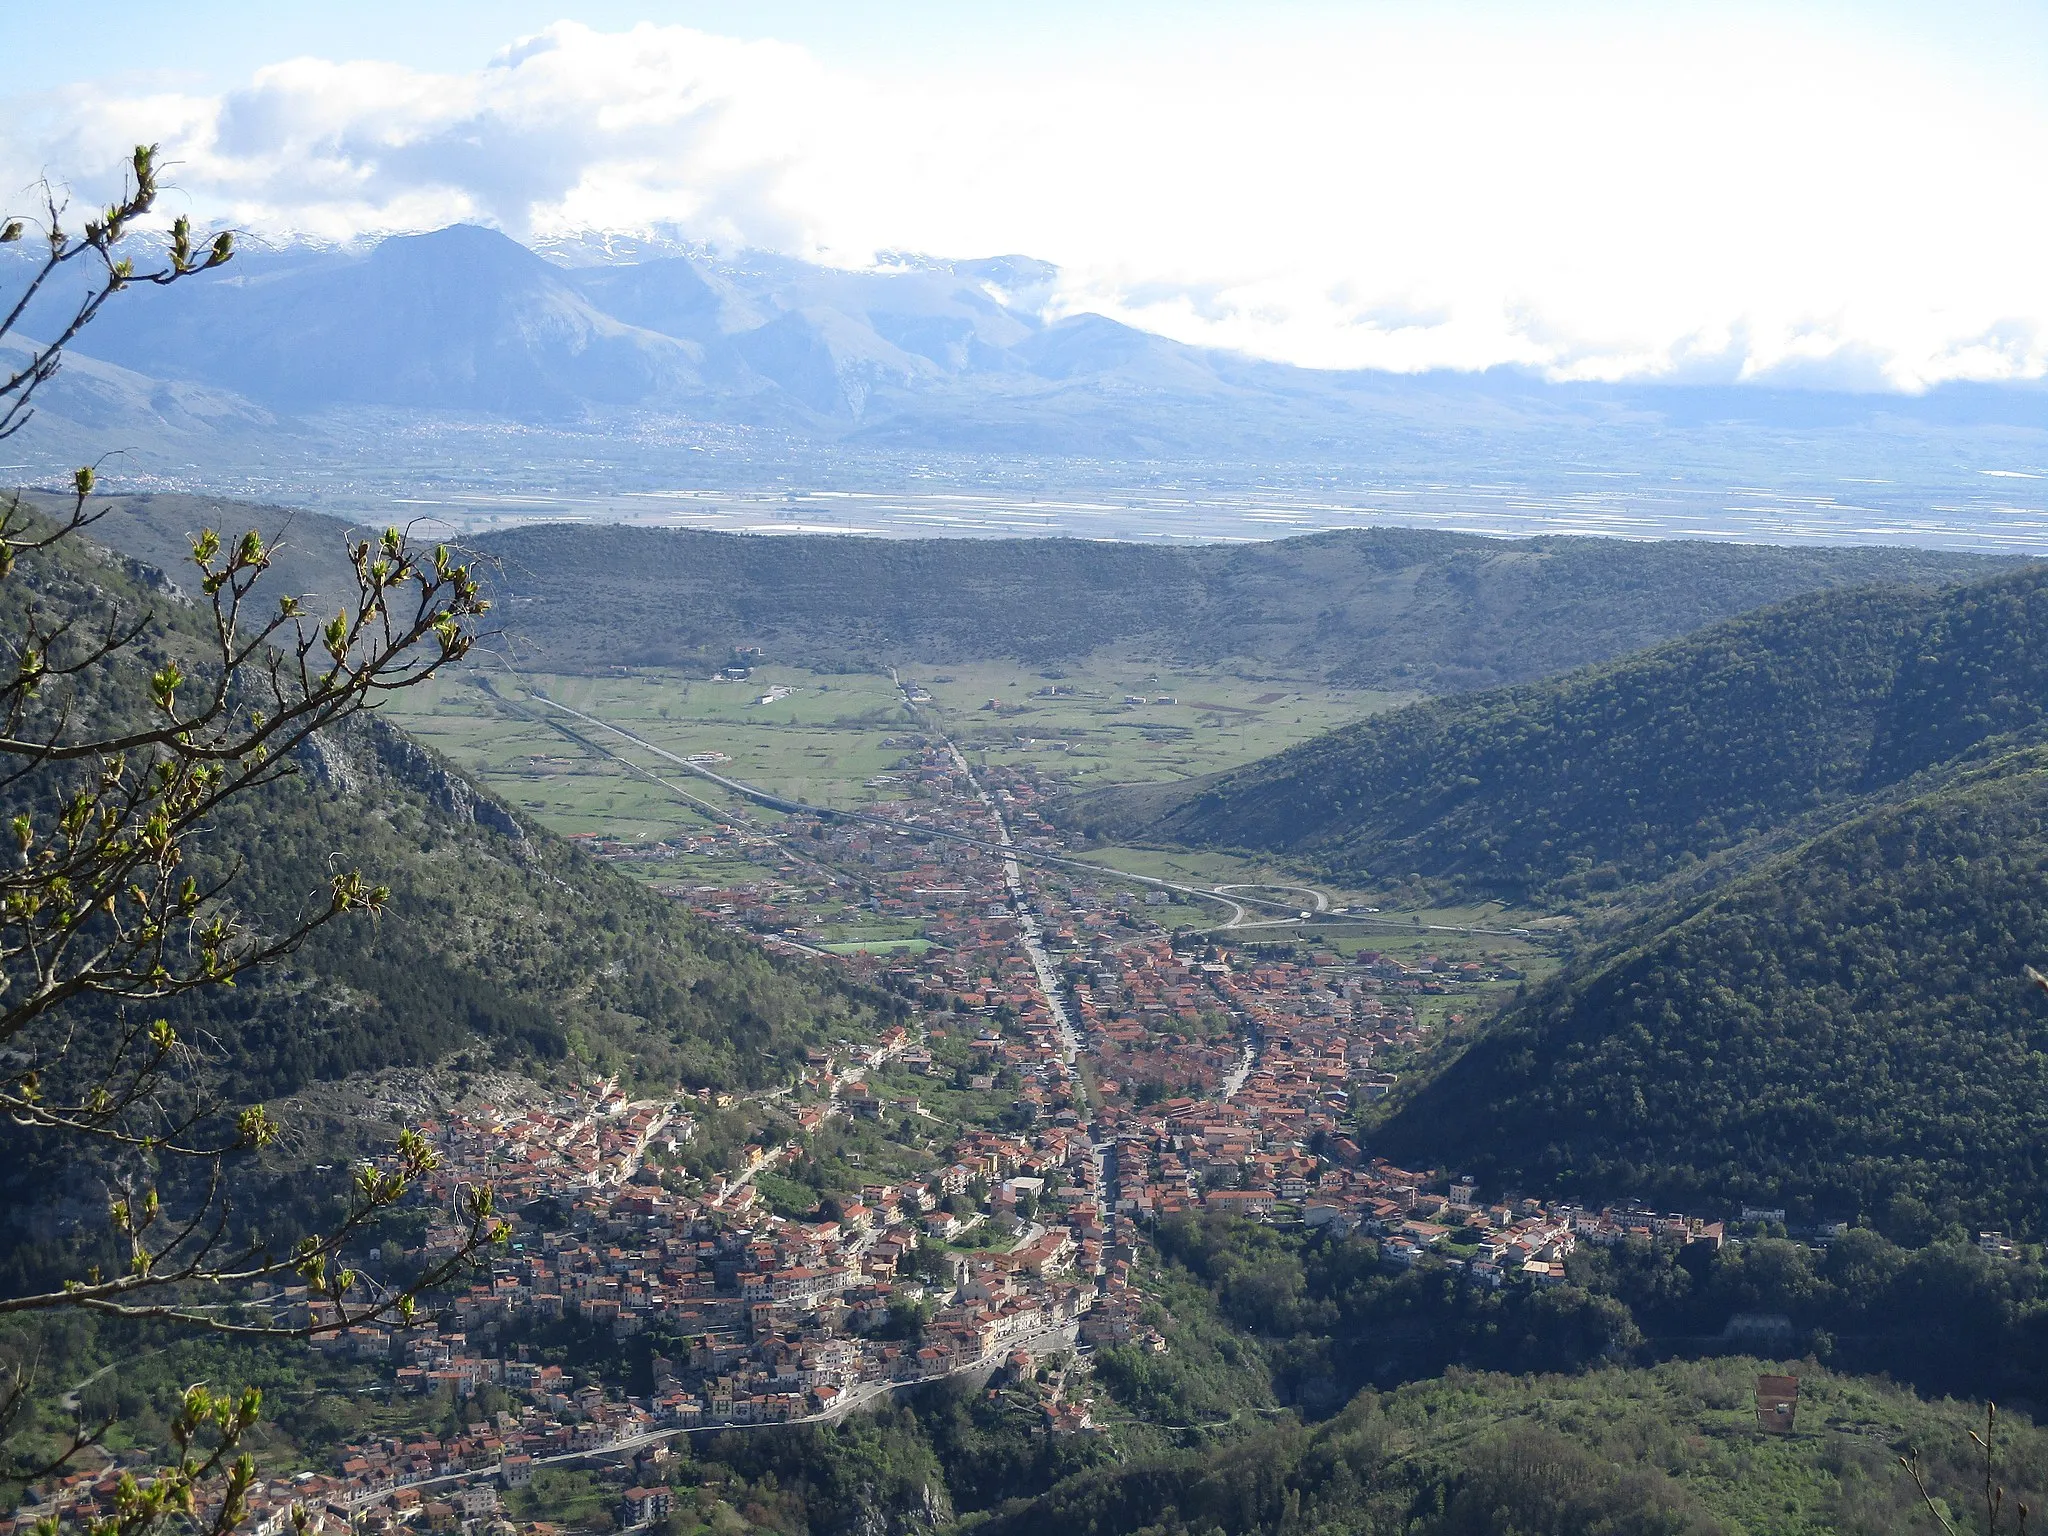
<point>1832,194</point>
<point>218,42</point>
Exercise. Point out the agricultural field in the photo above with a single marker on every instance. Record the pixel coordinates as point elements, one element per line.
<point>828,739</point>
<point>833,739</point>
<point>1407,933</point>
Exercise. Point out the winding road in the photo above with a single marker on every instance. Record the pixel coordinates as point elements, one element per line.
<point>1062,1339</point>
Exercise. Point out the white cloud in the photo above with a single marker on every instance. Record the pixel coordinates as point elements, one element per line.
<point>1596,195</point>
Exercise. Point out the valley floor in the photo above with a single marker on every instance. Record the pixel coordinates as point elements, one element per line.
<point>1100,1053</point>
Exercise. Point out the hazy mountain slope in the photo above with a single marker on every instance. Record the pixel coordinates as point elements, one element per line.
<point>309,550</point>
<point>95,409</point>
<point>933,355</point>
<point>1387,608</point>
<point>830,339</point>
<point>1848,1025</point>
<point>463,319</point>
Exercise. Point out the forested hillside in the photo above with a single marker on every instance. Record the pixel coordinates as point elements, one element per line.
<point>1844,1029</point>
<point>1979,669</point>
<point>1602,777</point>
<point>497,934</point>
<point>1619,774</point>
<point>1391,607</point>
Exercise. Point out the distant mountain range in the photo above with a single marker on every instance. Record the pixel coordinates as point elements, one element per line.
<point>921,356</point>
<point>466,319</point>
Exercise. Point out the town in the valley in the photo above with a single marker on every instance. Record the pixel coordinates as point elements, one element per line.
<point>1079,1057</point>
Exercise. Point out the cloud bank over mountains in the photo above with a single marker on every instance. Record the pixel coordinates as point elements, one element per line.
<point>1757,200</point>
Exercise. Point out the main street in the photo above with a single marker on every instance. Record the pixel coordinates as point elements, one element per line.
<point>1027,923</point>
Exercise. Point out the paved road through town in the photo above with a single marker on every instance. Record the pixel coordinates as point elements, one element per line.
<point>1027,924</point>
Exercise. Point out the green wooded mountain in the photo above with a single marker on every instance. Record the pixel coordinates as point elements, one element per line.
<point>497,935</point>
<point>1630,771</point>
<point>1605,776</point>
<point>1385,608</point>
<point>1842,1031</point>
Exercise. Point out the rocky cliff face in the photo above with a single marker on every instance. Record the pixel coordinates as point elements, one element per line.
<point>347,759</point>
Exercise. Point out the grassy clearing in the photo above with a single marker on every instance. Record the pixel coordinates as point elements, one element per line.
<point>1405,932</point>
<point>1209,869</point>
<point>1695,1422</point>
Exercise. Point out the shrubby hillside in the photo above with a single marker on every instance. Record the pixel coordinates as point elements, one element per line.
<point>1670,1451</point>
<point>1629,1414</point>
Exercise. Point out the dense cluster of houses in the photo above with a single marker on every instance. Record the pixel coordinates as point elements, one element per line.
<point>784,1319</point>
